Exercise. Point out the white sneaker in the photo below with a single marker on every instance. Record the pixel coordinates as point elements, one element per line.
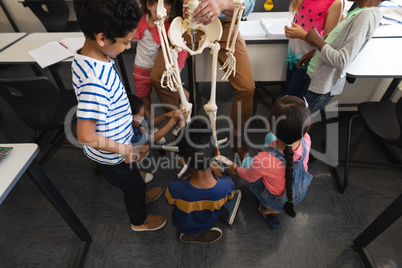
<point>146,176</point>
<point>162,140</point>
<point>176,131</point>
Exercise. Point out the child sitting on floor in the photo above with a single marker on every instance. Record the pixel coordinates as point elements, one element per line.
<point>141,136</point>
<point>278,174</point>
<point>202,198</point>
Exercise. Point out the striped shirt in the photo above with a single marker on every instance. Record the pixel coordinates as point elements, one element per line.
<point>102,98</point>
<point>197,210</point>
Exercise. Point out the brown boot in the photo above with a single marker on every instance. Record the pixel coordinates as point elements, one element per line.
<point>153,195</point>
<point>154,222</point>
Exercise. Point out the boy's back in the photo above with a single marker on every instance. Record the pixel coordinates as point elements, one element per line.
<point>197,210</point>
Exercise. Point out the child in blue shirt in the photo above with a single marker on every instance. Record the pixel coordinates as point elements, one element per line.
<point>199,199</point>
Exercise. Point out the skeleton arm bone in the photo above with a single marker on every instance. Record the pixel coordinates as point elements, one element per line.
<point>230,62</point>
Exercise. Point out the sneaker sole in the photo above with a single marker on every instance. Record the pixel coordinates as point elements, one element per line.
<point>236,207</point>
<point>211,236</point>
<point>148,230</point>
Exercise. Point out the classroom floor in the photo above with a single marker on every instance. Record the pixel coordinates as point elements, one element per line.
<point>34,235</point>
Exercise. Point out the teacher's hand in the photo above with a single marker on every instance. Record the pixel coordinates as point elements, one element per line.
<point>208,10</point>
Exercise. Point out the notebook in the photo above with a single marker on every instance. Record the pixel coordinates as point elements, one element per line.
<point>54,51</point>
<point>5,151</point>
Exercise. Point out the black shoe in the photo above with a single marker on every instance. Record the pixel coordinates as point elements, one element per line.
<point>213,235</point>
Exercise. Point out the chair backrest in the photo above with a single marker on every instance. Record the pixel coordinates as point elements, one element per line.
<point>53,14</point>
<point>279,5</point>
<point>398,142</point>
<point>34,100</point>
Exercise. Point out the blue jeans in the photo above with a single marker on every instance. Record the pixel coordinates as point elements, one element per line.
<point>295,80</point>
<point>315,101</point>
<point>127,178</point>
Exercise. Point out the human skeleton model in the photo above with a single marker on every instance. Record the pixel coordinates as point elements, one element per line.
<point>212,34</point>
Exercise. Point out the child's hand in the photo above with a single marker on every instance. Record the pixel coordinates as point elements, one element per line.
<point>315,38</point>
<point>180,114</point>
<point>305,59</point>
<point>130,154</point>
<point>170,114</point>
<point>296,31</point>
<point>233,168</point>
<point>143,152</point>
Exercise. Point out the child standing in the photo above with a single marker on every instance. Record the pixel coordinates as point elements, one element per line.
<point>199,199</point>
<point>327,69</point>
<point>148,45</point>
<point>279,172</point>
<point>323,15</point>
<point>104,115</point>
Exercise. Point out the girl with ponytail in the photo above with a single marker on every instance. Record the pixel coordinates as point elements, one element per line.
<point>278,173</point>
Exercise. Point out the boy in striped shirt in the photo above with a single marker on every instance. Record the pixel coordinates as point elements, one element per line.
<point>104,117</point>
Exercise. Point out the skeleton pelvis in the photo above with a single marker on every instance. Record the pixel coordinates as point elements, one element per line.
<point>211,33</point>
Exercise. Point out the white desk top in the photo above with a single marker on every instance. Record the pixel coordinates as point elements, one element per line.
<point>389,30</point>
<point>14,165</point>
<point>381,58</point>
<point>7,39</point>
<point>18,53</point>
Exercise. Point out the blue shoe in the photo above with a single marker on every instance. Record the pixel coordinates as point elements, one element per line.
<point>270,137</point>
<point>271,218</point>
<point>272,221</point>
<point>246,163</point>
<point>229,210</point>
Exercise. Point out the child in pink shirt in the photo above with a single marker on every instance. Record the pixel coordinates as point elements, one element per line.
<point>278,173</point>
<point>148,46</point>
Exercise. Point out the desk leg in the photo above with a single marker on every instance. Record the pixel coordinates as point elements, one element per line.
<point>56,199</point>
<point>379,225</point>
<point>391,89</point>
<point>56,76</point>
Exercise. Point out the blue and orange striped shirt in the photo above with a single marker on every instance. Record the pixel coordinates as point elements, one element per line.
<point>102,98</point>
<point>197,210</point>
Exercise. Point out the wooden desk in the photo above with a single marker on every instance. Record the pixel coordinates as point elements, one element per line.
<point>21,160</point>
<point>7,39</point>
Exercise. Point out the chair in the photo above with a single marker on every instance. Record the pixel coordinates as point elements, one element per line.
<point>384,120</point>
<point>53,15</point>
<point>41,105</point>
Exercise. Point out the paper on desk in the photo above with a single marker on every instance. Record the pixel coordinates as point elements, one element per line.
<point>54,51</point>
<point>275,28</point>
<point>251,29</point>
<point>73,43</point>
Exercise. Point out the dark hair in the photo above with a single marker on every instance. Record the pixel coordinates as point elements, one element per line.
<point>197,146</point>
<point>290,120</point>
<point>177,6</point>
<point>136,103</point>
<point>144,7</point>
<point>113,18</point>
